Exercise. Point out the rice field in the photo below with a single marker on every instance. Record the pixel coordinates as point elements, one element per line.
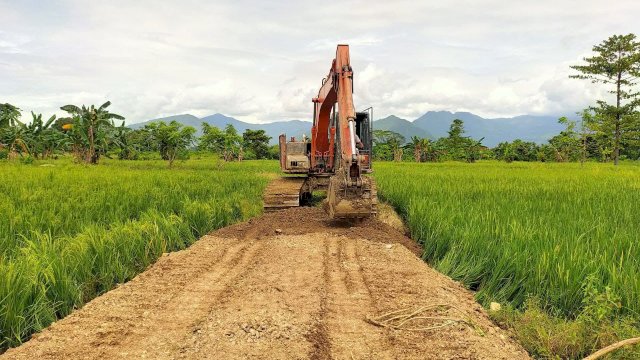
<point>70,232</point>
<point>558,245</point>
<point>512,231</point>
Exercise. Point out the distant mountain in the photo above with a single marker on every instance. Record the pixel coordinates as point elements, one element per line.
<point>538,129</point>
<point>433,125</point>
<point>186,119</point>
<point>290,128</point>
<point>401,126</point>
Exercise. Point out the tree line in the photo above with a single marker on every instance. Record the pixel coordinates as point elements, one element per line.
<point>90,132</point>
<point>389,145</point>
<point>605,131</point>
<point>574,143</point>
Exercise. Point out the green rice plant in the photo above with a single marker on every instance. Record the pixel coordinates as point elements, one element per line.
<point>70,232</point>
<point>515,231</point>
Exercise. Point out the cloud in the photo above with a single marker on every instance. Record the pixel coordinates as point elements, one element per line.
<point>263,61</point>
<point>12,44</point>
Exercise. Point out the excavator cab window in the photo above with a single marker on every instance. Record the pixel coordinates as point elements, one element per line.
<point>363,130</point>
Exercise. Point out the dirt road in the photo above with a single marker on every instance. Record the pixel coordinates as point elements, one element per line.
<point>249,291</point>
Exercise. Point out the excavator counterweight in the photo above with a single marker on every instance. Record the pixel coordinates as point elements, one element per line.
<point>337,155</point>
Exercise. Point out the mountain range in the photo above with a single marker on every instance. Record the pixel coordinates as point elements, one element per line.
<point>433,125</point>
<point>273,129</point>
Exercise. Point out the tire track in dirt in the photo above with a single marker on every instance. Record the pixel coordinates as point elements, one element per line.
<point>270,309</point>
<point>318,335</point>
<point>195,339</point>
<point>156,336</point>
<point>349,302</point>
<point>249,292</point>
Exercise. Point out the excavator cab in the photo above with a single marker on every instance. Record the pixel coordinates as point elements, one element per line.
<point>294,155</point>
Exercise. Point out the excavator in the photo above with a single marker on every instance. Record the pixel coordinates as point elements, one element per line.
<point>335,158</point>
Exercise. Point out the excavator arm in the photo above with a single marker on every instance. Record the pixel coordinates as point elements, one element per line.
<point>337,87</point>
<point>331,160</point>
<point>349,194</point>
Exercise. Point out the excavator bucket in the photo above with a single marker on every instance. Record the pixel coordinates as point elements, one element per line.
<point>351,201</point>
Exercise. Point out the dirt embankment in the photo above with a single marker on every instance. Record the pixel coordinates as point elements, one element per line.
<point>287,285</point>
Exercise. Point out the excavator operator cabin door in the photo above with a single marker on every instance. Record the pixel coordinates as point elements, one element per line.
<point>364,130</point>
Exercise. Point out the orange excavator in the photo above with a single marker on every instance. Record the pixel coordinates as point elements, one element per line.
<point>335,158</point>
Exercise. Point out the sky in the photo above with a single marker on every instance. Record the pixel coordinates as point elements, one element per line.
<point>262,60</point>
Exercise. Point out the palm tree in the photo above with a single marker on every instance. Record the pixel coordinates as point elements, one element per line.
<point>91,130</point>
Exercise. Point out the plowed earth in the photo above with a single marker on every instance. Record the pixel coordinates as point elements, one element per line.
<point>287,285</point>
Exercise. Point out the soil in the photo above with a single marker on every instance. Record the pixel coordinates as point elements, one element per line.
<point>288,285</point>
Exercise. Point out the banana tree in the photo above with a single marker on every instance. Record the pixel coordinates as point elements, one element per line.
<point>92,130</point>
<point>122,140</point>
<point>9,115</point>
<point>37,139</point>
<point>426,150</point>
<point>13,138</point>
<point>415,145</point>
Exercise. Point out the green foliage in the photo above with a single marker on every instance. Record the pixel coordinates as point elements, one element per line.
<point>387,145</point>
<point>127,148</point>
<point>566,145</point>
<point>36,139</point>
<point>274,152</point>
<point>69,233</point>
<point>232,144</point>
<point>616,63</point>
<point>91,131</point>
<point>515,231</point>
<point>9,115</point>
<point>228,144</point>
<point>212,139</point>
<point>550,336</point>
<point>459,147</point>
<point>172,139</point>
<point>257,142</point>
<point>422,149</point>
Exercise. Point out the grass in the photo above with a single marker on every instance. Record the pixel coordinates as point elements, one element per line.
<point>71,232</point>
<point>535,236</point>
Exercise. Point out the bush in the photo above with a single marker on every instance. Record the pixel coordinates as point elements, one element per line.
<point>598,325</point>
<point>27,160</point>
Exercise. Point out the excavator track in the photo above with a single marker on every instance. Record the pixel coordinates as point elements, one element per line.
<point>283,193</point>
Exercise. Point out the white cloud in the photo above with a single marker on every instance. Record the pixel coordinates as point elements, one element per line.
<point>263,61</point>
